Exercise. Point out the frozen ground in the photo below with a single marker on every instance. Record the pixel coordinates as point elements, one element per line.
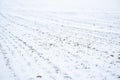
<point>58,45</point>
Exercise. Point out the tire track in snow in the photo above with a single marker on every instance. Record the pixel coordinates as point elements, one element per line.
<point>6,58</point>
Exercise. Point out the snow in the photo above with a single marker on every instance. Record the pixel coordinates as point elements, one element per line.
<point>45,40</point>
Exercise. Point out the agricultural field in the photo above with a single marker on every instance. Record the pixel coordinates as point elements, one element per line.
<point>58,45</point>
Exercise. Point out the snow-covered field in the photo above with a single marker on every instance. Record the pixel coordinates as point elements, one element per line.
<point>58,45</point>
